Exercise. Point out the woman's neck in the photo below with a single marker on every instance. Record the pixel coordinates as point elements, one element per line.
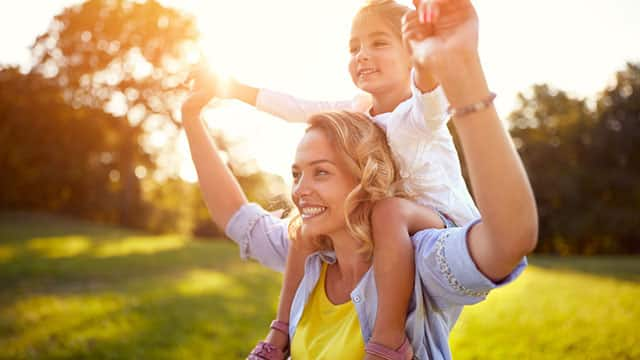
<point>387,101</point>
<point>351,266</point>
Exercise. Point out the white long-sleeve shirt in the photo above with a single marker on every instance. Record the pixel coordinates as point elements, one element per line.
<point>419,139</point>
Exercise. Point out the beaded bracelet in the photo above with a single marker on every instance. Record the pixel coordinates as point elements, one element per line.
<point>469,109</point>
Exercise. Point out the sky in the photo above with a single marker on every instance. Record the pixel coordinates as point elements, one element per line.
<point>300,47</point>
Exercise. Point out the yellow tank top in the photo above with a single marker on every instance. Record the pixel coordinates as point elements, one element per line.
<point>327,331</point>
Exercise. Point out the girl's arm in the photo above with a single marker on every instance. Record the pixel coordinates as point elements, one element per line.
<point>294,109</point>
<point>509,226</point>
<point>413,30</point>
<point>284,106</point>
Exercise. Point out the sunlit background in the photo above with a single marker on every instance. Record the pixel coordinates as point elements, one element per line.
<point>106,252</point>
<point>301,47</point>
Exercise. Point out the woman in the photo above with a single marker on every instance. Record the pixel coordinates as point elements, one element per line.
<point>454,267</point>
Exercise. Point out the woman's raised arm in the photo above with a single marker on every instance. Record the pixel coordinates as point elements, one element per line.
<point>502,191</point>
<point>221,191</point>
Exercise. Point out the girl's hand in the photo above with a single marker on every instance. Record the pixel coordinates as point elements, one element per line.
<point>413,31</point>
<point>450,51</point>
<point>453,34</point>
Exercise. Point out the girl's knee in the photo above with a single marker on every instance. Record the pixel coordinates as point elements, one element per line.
<point>389,211</point>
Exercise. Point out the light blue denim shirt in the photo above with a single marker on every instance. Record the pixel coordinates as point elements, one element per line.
<point>446,278</point>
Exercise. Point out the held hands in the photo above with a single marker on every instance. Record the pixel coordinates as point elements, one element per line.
<point>204,88</point>
<point>449,29</point>
<point>443,38</point>
<point>441,30</point>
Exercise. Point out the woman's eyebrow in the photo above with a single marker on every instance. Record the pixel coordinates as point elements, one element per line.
<point>315,162</point>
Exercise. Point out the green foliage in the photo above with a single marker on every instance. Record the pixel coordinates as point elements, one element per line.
<point>137,50</point>
<point>57,158</point>
<point>127,58</point>
<point>582,167</point>
<point>77,290</point>
<point>76,139</point>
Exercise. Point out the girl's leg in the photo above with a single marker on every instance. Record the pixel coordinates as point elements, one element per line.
<point>393,220</point>
<point>294,271</point>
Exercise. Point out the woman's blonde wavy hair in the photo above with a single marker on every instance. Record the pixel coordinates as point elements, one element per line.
<point>389,11</point>
<point>364,149</point>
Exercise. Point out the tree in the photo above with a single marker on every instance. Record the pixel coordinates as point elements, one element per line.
<point>127,58</point>
<point>614,160</point>
<point>54,157</point>
<point>581,165</point>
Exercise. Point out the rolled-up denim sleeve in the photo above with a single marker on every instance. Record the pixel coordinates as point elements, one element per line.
<point>260,236</point>
<point>448,273</point>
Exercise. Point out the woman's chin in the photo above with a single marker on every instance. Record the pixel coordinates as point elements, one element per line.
<point>309,230</point>
<point>314,229</point>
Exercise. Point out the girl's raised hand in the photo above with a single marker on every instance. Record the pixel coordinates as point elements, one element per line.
<point>454,31</point>
<point>450,52</point>
<point>413,30</point>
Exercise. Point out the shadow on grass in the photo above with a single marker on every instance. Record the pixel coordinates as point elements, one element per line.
<point>27,270</point>
<point>194,300</point>
<point>623,267</point>
<point>21,226</point>
<point>158,320</point>
<point>105,253</point>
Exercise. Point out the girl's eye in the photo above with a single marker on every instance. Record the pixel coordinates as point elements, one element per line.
<point>379,43</point>
<point>321,172</point>
<point>295,175</point>
<point>353,50</point>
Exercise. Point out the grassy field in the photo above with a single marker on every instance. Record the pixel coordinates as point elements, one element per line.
<point>70,289</point>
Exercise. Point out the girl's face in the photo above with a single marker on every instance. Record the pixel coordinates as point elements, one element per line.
<point>321,183</point>
<point>379,62</point>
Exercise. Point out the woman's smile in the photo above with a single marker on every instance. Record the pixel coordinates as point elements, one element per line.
<point>308,212</point>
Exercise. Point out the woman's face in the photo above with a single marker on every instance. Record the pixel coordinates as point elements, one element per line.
<point>379,62</point>
<point>321,183</point>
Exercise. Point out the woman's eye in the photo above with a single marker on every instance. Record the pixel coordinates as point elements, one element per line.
<point>322,172</point>
<point>379,43</point>
<point>295,175</point>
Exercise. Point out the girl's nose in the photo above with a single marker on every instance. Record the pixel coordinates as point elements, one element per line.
<point>362,54</point>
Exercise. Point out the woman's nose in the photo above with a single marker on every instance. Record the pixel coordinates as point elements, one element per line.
<point>301,187</point>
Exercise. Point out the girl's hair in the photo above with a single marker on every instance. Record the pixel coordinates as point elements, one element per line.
<point>388,10</point>
<point>364,149</point>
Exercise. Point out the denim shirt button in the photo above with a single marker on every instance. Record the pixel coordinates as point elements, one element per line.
<point>356,298</point>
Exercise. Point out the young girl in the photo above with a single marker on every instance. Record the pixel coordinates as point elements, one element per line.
<point>411,108</point>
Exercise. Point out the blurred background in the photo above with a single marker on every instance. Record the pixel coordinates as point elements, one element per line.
<point>107,250</point>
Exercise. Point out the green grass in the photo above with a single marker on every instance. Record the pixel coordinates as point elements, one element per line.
<point>70,289</point>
